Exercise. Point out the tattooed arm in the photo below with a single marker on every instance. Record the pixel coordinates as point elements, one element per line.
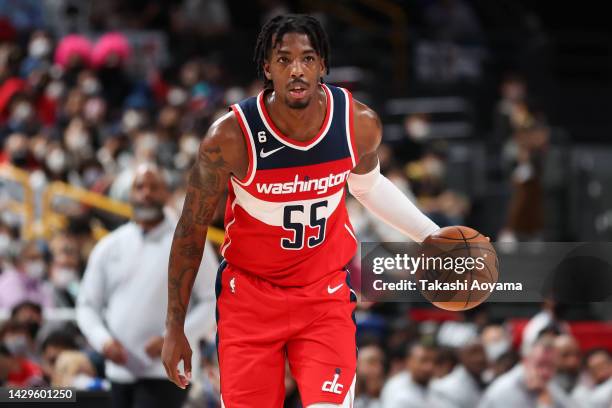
<point>221,154</point>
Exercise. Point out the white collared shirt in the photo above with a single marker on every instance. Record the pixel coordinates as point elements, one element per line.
<point>124,295</point>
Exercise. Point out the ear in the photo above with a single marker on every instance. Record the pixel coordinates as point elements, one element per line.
<point>267,71</point>
<point>323,67</point>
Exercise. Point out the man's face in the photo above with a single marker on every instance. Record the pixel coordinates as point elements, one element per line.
<point>599,367</point>
<point>295,68</point>
<point>568,353</point>
<point>474,359</point>
<point>148,195</point>
<point>540,367</point>
<point>421,364</point>
<point>370,362</point>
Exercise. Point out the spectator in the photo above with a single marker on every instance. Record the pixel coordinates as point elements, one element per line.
<point>410,388</point>
<point>65,270</point>
<point>569,366</point>
<point>446,360</point>
<point>74,369</point>
<point>30,314</point>
<point>126,277</point>
<point>550,316</point>
<point>22,371</point>
<point>24,281</point>
<point>597,394</point>
<point>529,384</point>
<point>513,91</point>
<point>463,387</point>
<point>496,341</point>
<point>53,345</point>
<point>370,376</point>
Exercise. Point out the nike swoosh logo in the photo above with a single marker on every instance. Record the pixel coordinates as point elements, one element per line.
<point>334,289</point>
<point>264,154</point>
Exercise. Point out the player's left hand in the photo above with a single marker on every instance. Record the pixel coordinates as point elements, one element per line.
<point>154,346</point>
<point>176,348</point>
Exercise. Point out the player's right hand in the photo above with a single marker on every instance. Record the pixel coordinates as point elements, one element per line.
<point>114,351</point>
<point>176,348</point>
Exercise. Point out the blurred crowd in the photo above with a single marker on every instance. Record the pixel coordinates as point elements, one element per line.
<point>85,109</point>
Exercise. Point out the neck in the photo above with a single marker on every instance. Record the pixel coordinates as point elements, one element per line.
<point>299,124</point>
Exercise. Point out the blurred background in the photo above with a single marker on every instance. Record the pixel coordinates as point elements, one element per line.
<point>496,115</point>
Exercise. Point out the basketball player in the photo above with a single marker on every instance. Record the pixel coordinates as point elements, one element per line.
<point>283,292</point>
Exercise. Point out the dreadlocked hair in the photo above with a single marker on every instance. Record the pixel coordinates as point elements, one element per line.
<point>277,27</point>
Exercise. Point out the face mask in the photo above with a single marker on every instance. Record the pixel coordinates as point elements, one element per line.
<point>90,86</point>
<point>55,90</point>
<point>39,48</point>
<point>495,349</point>
<point>94,109</point>
<point>418,129</point>
<point>22,112</point>
<point>62,277</point>
<point>39,150</point>
<point>16,345</point>
<point>131,120</point>
<point>33,328</point>
<point>19,158</point>
<point>147,213</point>
<point>5,244</point>
<point>177,97</point>
<point>35,269</point>
<point>190,145</point>
<point>56,161</point>
<point>78,141</point>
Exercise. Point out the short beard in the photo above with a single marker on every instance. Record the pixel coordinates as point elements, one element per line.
<point>297,104</point>
<point>147,213</point>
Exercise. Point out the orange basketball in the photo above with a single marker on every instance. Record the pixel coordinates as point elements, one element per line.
<point>462,266</point>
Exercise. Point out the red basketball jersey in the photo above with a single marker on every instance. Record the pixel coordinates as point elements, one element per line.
<point>286,220</point>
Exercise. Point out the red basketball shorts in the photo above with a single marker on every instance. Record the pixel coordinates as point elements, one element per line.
<point>261,326</point>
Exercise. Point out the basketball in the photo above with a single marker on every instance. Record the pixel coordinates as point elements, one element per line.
<point>463,267</point>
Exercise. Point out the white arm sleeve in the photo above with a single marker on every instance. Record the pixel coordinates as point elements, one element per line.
<point>382,198</point>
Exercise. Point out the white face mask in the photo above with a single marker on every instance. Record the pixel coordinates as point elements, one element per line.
<point>78,141</point>
<point>22,112</point>
<point>16,345</point>
<point>39,48</point>
<point>39,150</point>
<point>132,120</point>
<point>35,269</point>
<point>495,349</point>
<point>177,96</point>
<point>56,161</point>
<point>55,90</point>
<point>90,86</point>
<point>418,129</point>
<point>190,145</point>
<point>62,277</point>
<point>5,244</point>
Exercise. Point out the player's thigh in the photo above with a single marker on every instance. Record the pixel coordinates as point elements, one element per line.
<point>250,341</point>
<point>323,355</point>
<point>252,376</point>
